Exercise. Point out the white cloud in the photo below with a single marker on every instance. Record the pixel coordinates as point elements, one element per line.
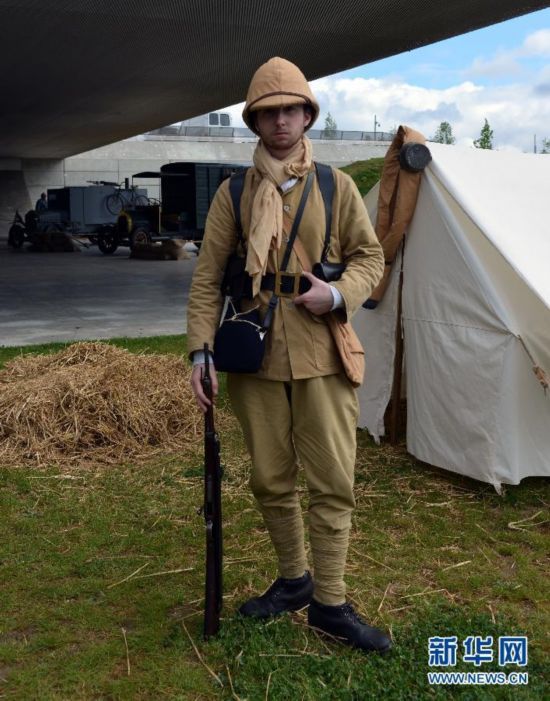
<point>502,64</point>
<point>537,44</point>
<point>506,63</point>
<point>517,108</point>
<point>515,111</point>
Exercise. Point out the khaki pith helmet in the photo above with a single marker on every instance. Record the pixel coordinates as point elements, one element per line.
<point>278,83</point>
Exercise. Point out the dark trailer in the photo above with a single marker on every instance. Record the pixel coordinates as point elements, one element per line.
<point>186,191</point>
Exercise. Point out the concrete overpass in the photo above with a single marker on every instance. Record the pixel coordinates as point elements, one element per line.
<point>79,74</point>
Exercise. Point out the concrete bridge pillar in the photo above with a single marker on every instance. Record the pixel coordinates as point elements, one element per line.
<point>21,182</point>
<point>13,192</point>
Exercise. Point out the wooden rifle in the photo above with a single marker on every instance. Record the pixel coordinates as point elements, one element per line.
<point>212,510</point>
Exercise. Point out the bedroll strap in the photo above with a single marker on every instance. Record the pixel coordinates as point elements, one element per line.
<point>325,177</point>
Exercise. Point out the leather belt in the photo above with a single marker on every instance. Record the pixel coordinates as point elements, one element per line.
<point>285,284</point>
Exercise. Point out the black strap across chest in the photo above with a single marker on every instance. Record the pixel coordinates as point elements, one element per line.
<point>288,250</point>
<point>236,187</point>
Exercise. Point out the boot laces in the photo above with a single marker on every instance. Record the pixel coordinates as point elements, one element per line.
<point>276,589</point>
<point>352,615</point>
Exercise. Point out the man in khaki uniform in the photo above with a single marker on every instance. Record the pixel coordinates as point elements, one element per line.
<point>300,407</point>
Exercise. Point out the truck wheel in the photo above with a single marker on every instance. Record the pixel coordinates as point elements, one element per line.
<point>51,236</point>
<point>140,237</point>
<point>16,236</point>
<point>107,242</point>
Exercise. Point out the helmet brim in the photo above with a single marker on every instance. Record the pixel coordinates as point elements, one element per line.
<point>276,100</point>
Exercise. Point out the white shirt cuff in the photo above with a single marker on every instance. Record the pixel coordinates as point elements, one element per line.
<point>198,357</point>
<point>337,299</point>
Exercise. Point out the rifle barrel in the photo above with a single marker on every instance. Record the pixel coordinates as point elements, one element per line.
<point>212,511</point>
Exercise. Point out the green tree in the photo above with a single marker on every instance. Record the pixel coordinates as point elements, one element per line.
<point>444,134</point>
<point>329,132</point>
<point>545,146</point>
<point>485,138</point>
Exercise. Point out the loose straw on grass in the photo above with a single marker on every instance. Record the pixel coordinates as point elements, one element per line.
<point>160,574</point>
<point>233,693</point>
<point>267,687</point>
<point>458,564</point>
<point>361,555</point>
<point>422,593</point>
<point>514,525</point>
<point>115,584</point>
<point>384,597</point>
<point>195,648</point>
<point>127,651</point>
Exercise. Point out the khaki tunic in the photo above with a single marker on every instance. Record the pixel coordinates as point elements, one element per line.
<point>299,344</point>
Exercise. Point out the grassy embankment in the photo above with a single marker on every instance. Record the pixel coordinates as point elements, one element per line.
<point>102,580</point>
<point>365,174</point>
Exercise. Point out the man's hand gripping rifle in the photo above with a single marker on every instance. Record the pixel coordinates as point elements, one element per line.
<point>212,510</point>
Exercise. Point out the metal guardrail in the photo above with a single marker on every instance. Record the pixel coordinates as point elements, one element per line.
<point>244,133</point>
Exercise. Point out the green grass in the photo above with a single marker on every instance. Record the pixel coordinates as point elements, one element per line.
<point>150,344</point>
<point>431,554</point>
<point>365,174</point>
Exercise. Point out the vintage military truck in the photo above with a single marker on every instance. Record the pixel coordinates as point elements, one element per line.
<point>186,191</point>
<point>88,211</point>
<point>112,216</point>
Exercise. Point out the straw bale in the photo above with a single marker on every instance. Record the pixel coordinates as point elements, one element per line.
<point>56,241</point>
<point>164,250</point>
<point>95,403</point>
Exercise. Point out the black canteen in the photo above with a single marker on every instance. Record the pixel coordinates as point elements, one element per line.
<point>414,157</point>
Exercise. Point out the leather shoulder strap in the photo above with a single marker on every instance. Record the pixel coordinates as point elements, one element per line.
<point>325,177</point>
<point>236,187</point>
<point>297,220</point>
<point>291,240</point>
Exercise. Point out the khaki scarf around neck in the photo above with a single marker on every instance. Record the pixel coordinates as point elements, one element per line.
<point>266,222</point>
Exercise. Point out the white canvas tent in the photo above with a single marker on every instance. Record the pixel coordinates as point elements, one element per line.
<point>476,318</point>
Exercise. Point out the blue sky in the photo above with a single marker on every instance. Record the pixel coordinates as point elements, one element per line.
<point>500,73</point>
<point>442,64</point>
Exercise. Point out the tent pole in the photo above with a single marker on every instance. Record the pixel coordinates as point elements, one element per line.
<point>398,360</point>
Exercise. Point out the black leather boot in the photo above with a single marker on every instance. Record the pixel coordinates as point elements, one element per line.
<point>343,622</point>
<point>283,595</point>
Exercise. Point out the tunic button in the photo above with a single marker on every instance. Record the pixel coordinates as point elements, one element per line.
<point>286,207</point>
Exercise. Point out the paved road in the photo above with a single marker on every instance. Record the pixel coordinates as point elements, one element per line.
<point>86,295</point>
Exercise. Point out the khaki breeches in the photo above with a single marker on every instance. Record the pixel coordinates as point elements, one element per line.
<point>313,423</point>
